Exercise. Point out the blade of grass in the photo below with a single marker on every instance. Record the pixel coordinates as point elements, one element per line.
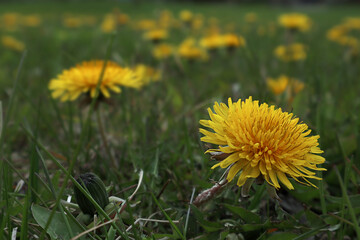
<point>12,97</point>
<point>348,203</point>
<point>310,233</point>
<point>167,217</point>
<point>188,213</point>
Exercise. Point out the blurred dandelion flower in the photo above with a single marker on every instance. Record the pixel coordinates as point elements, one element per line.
<point>197,22</point>
<point>189,50</point>
<point>251,17</point>
<point>295,22</point>
<point>146,74</point>
<point>108,24</point>
<point>156,35</point>
<point>279,85</point>
<point>72,21</point>
<point>31,20</point>
<point>282,83</point>
<point>85,76</point>
<point>10,21</point>
<point>186,16</point>
<point>162,51</point>
<point>262,142</point>
<point>12,43</point>
<point>145,24</point>
<point>292,52</point>
<point>232,41</point>
<point>211,42</point>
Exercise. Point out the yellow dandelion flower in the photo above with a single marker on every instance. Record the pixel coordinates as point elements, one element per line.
<point>352,23</point>
<point>295,21</point>
<point>335,33</point>
<point>146,74</point>
<point>156,35</point>
<point>85,76</point>
<point>31,20</point>
<point>197,22</point>
<point>189,50</point>
<point>282,83</point>
<point>297,86</point>
<point>279,85</point>
<point>211,42</point>
<point>10,21</point>
<point>108,24</point>
<point>72,21</point>
<point>186,16</point>
<point>162,51</point>
<point>12,43</point>
<point>233,41</point>
<point>145,24</point>
<point>292,52</point>
<point>251,17</point>
<point>261,141</point>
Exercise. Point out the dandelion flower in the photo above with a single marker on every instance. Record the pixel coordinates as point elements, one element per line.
<point>295,21</point>
<point>189,50</point>
<point>108,24</point>
<point>85,76</point>
<point>146,74</point>
<point>279,85</point>
<point>292,52</point>
<point>251,17</point>
<point>145,24</point>
<point>261,141</point>
<point>212,42</point>
<point>31,20</point>
<point>12,43</point>
<point>162,51</point>
<point>282,83</point>
<point>233,41</point>
<point>156,35</point>
<point>186,16</point>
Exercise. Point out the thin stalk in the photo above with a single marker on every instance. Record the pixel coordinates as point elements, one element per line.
<point>103,137</point>
<point>348,203</point>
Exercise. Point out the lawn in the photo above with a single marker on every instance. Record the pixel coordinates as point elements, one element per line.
<point>142,139</point>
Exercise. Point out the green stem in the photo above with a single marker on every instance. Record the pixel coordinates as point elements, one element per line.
<point>103,138</point>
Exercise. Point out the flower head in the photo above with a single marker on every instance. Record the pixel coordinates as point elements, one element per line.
<point>189,50</point>
<point>292,52</point>
<point>162,51</point>
<point>283,83</point>
<point>295,21</point>
<point>85,76</point>
<point>261,141</point>
<point>156,35</point>
<point>186,16</point>
<point>251,17</point>
<point>108,24</point>
<point>212,42</point>
<point>12,43</point>
<point>146,74</point>
<point>233,41</point>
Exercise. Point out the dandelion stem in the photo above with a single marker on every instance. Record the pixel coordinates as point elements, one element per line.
<point>103,138</point>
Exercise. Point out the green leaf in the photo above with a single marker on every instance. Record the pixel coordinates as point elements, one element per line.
<point>57,228</point>
<point>314,219</point>
<point>207,225</point>
<point>246,215</point>
<point>282,236</point>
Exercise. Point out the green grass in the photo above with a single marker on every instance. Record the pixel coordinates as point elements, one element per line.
<point>48,143</point>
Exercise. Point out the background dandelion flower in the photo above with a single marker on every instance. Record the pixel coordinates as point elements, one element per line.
<point>85,76</point>
<point>260,140</point>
